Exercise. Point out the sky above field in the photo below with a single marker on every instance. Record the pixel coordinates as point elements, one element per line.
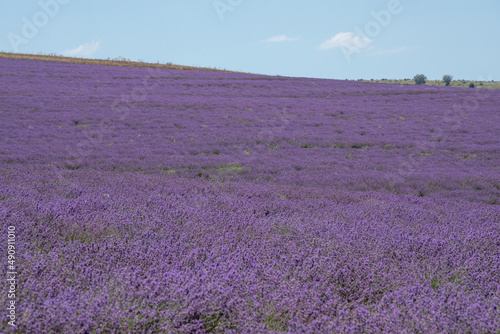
<point>338,39</point>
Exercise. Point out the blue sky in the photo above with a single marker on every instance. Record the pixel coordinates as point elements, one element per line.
<point>338,39</point>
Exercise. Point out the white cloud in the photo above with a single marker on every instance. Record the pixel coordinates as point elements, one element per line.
<point>280,38</point>
<point>84,50</point>
<point>347,40</point>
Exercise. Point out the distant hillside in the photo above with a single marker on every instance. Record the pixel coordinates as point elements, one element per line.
<point>454,83</point>
<point>124,62</point>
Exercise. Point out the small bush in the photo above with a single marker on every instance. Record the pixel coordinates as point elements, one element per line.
<point>420,79</point>
<point>471,85</point>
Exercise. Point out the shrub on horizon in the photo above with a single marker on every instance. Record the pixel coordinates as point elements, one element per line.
<point>447,79</point>
<point>420,79</point>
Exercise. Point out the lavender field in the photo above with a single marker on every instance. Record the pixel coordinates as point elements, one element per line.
<point>167,201</point>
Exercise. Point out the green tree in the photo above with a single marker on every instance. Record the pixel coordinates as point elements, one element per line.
<point>420,79</point>
<point>447,79</point>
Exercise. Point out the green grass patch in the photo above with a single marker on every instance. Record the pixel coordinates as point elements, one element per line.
<point>276,322</point>
<point>273,148</point>
<point>467,156</point>
<point>230,168</point>
<point>211,321</point>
